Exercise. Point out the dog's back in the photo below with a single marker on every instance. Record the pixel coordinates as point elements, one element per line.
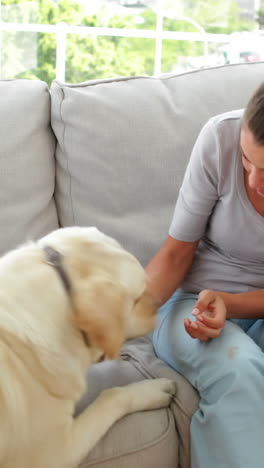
<point>39,378</point>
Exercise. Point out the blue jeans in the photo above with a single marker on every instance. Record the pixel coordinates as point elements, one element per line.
<point>227,431</point>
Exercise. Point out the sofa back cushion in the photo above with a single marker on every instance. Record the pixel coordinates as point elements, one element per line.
<point>123,145</point>
<point>27,169</point>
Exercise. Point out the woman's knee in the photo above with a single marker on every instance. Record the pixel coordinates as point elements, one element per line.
<point>170,340</point>
<point>247,363</point>
<point>239,375</point>
<point>231,362</point>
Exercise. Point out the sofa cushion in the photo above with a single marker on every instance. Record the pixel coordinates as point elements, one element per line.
<point>27,171</point>
<point>123,145</point>
<point>147,439</point>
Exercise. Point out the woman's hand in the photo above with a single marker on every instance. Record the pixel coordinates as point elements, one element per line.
<point>210,314</point>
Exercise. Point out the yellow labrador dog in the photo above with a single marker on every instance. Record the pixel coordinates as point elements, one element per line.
<point>66,301</point>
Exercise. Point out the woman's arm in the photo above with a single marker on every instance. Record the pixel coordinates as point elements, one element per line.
<point>248,305</point>
<point>168,268</point>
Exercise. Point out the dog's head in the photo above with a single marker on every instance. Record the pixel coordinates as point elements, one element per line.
<point>108,288</point>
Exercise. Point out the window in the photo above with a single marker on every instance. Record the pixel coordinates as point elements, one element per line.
<point>78,40</point>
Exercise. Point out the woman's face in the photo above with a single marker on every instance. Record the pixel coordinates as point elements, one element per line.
<point>253,161</point>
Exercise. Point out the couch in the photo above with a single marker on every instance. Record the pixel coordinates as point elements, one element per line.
<point>112,153</point>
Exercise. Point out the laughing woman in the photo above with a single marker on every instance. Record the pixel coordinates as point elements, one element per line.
<point>208,277</point>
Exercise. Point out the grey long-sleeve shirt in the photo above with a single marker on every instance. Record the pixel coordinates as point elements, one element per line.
<point>213,206</point>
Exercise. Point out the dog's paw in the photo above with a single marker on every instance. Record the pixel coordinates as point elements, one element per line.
<point>149,394</point>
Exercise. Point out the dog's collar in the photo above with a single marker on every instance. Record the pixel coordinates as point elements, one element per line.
<point>54,258</point>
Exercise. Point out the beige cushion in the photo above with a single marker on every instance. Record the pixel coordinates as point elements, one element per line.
<point>123,145</point>
<point>144,440</point>
<point>26,163</point>
<point>148,439</point>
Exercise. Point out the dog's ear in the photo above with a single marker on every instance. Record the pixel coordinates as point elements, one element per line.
<point>99,307</point>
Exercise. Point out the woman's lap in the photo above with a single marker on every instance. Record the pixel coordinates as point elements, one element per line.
<point>228,373</point>
<point>175,346</point>
<point>197,360</point>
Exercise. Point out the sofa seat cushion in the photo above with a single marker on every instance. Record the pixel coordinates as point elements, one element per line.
<point>123,145</point>
<point>145,439</point>
<point>27,169</point>
<point>148,439</point>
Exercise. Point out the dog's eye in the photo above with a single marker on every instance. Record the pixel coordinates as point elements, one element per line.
<point>86,339</point>
<point>137,300</point>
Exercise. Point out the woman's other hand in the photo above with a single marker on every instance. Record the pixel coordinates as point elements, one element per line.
<point>210,316</point>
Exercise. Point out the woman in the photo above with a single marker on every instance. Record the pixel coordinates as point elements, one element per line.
<point>215,338</point>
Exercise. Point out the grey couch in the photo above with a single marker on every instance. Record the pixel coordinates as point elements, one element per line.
<point>112,153</point>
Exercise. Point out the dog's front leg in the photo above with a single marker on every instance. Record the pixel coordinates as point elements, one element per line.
<point>111,405</point>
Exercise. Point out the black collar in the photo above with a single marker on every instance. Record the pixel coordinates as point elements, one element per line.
<point>54,258</point>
